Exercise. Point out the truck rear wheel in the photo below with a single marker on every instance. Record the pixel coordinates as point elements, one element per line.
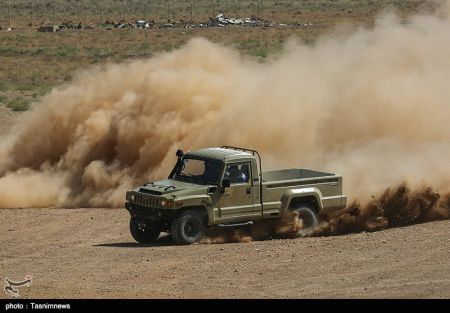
<point>144,232</point>
<point>187,228</point>
<point>309,220</point>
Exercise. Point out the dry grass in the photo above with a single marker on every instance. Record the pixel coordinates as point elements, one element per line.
<point>280,10</point>
<point>31,63</point>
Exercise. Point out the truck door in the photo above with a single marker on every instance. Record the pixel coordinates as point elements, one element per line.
<point>237,200</point>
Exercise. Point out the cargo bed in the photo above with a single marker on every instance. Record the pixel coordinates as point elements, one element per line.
<point>292,174</point>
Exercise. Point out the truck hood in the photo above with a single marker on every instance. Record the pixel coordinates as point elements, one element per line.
<point>170,187</point>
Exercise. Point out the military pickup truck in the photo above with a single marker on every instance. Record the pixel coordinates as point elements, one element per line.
<point>226,187</point>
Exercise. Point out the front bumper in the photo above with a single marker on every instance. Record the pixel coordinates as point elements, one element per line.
<point>143,212</point>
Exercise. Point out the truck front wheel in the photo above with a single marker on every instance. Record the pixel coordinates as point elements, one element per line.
<point>146,232</point>
<point>187,228</point>
<point>309,220</point>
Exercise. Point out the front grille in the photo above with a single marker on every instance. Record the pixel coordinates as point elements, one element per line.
<point>147,201</point>
<point>150,213</point>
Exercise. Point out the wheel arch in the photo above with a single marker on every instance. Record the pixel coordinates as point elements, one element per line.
<point>294,198</point>
<point>309,201</point>
<point>196,208</point>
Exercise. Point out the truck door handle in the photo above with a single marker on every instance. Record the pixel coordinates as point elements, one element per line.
<point>248,190</point>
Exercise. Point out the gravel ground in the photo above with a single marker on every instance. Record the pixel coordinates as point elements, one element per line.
<point>89,253</point>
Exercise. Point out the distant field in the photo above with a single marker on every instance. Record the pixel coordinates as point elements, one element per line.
<point>31,63</point>
<point>281,10</point>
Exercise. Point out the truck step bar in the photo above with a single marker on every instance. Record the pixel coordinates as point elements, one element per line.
<point>235,225</point>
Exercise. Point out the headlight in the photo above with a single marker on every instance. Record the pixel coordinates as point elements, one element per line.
<point>167,203</point>
<point>132,197</point>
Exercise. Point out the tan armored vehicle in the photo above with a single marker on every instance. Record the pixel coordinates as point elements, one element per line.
<point>226,187</point>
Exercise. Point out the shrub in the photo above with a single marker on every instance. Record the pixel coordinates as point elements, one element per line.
<point>19,104</point>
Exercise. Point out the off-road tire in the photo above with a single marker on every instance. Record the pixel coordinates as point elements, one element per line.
<point>148,234</point>
<point>310,220</point>
<point>187,228</point>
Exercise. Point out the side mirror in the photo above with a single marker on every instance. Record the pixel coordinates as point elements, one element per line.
<point>226,183</point>
<point>179,153</point>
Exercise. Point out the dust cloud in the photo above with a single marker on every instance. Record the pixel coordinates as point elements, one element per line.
<point>395,207</point>
<point>371,104</point>
<point>289,225</point>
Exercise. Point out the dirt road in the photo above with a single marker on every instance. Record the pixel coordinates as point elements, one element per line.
<point>89,253</point>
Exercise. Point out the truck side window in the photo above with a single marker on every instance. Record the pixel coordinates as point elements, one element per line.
<point>237,173</point>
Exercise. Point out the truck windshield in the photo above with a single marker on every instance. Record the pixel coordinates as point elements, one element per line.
<point>198,171</point>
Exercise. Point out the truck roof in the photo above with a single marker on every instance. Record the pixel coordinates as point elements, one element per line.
<point>220,154</point>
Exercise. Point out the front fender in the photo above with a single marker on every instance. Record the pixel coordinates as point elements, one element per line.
<point>299,193</point>
<point>197,201</point>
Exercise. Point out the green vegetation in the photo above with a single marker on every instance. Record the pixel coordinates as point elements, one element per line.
<point>19,104</point>
<point>32,63</point>
<point>90,11</point>
<point>261,53</point>
<point>3,99</point>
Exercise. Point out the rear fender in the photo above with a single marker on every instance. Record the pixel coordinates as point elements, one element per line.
<point>310,195</point>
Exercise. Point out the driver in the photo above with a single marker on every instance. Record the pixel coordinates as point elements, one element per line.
<point>235,175</point>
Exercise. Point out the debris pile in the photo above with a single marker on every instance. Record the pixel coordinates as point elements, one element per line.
<point>5,28</point>
<point>218,21</point>
<point>253,21</point>
<point>142,24</point>
<point>79,25</point>
<point>48,26</point>
<point>299,24</point>
<point>48,29</point>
